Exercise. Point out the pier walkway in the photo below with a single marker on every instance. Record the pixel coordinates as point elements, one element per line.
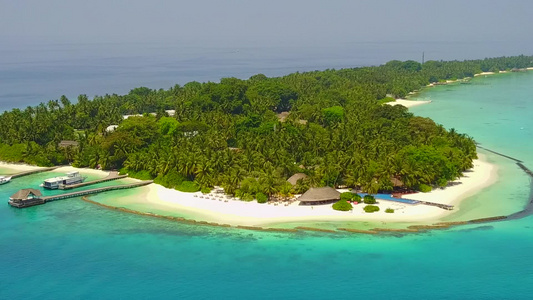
<point>439,205</point>
<point>528,209</point>
<point>26,173</point>
<point>113,175</point>
<point>95,191</point>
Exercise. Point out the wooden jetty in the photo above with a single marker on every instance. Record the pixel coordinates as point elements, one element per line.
<point>439,205</point>
<point>26,173</point>
<point>113,175</point>
<point>43,200</point>
<point>525,169</point>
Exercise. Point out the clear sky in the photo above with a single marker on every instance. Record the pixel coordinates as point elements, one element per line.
<point>263,22</point>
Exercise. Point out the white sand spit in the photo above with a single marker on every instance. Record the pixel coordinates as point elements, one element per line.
<point>408,103</point>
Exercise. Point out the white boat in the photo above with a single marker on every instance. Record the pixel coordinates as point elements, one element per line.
<point>4,179</point>
<point>58,182</point>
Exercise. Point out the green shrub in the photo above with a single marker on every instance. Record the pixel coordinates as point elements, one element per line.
<point>342,205</point>
<point>171,180</point>
<point>347,196</point>
<point>442,182</point>
<point>141,175</point>
<point>424,188</point>
<point>386,99</point>
<point>356,197</point>
<point>389,210</point>
<point>247,197</point>
<point>369,199</point>
<point>371,208</point>
<point>205,190</point>
<point>188,186</point>
<point>261,198</point>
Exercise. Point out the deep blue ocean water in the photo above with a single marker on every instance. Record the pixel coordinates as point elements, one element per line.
<point>74,250</point>
<point>32,72</point>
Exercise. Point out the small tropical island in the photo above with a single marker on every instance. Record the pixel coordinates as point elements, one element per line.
<point>330,138</point>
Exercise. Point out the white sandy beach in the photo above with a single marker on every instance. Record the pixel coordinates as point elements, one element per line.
<point>10,168</point>
<point>484,73</point>
<point>16,168</point>
<point>235,212</point>
<point>408,103</point>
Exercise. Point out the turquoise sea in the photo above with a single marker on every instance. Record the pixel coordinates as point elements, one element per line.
<point>71,249</point>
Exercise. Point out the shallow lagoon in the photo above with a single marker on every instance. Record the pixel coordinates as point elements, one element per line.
<point>73,249</point>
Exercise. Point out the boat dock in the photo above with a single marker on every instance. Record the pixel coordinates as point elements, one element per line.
<point>26,173</point>
<point>439,205</point>
<point>43,200</point>
<point>113,175</point>
<point>95,191</point>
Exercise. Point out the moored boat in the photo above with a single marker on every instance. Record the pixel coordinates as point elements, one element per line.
<point>4,179</point>
<point>58,182</point>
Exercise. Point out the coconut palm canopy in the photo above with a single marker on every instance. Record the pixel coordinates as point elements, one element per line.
<point>24,193</point>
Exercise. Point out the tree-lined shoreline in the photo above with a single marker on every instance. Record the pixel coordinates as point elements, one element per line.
<point>249,136</point>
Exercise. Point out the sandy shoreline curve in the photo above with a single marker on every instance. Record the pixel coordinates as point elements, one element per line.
<point>234,212</point>
<point>408,103</point>
<point>12,168</point>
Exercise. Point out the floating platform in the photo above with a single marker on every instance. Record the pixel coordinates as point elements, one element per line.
<point>27,203</point>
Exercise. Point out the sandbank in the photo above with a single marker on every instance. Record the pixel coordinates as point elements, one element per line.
<point>408,103</point>
<point>234,212</point>
<point>11,168</point>
<point>484,73</point>
<point>482,175</point>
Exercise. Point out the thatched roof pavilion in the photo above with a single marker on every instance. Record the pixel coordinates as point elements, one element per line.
<point>319,196</point>
<point>65,144</point>
<point>396,182</point>
<point>26,194</point>
<point>294,178</point>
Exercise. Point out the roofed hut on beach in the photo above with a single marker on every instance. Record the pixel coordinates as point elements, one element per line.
<point>294,178</point>
<point>396,182</point>
<point>320,196</point>
<point>65,144</point>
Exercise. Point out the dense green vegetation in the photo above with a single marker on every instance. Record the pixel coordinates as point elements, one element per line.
<point>369,199</point>
<point>342,205</point>
<point>228,134</point>
<point>371,208</point>
<point>389,210</point>
<point>424,188</point>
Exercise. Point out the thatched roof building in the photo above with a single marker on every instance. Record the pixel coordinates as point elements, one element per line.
<point>396,182</point>
<point>26,194</point>
<point>65,144</point>
<point>283,116</point>
<point>318,196</point>
<point>294,178</point>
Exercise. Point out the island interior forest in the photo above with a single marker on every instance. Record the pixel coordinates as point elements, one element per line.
<point>249,136</point>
